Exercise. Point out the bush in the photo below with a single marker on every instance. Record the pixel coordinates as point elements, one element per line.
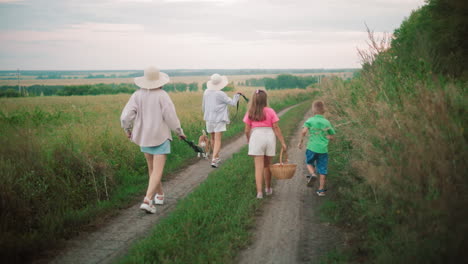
<point>402,152</point>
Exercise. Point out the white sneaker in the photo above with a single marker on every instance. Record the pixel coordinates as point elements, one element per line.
<point>148,206</point>
<point>157,200</point>
<point>268,191</point>
<point>259,195</point>
<point>215,163</point>
<point>321,192</point>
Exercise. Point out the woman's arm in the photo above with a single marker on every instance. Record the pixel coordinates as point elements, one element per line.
<point>247,130</point>
<point>225,99</point>
<point>170,116</point>
<point>279,135</point>
<point>128,115</point>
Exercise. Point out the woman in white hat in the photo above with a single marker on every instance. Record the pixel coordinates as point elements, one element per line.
<point>148,119</point>
<point>215,103</point>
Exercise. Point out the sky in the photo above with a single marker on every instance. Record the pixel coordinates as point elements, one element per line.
<point>191,34</point>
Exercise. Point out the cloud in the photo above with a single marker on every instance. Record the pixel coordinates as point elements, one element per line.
<point>122,34</point>
<point>99,46</point>
<point>10,1</point>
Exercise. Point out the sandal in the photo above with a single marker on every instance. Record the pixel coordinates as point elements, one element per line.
<point>148,206</point>
<point>157,200</point>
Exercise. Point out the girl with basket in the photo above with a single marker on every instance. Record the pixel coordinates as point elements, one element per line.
<point>261,127</point>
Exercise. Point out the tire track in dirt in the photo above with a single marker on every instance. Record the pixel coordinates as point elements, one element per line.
<point>289,229</point>
<point>114,238</point>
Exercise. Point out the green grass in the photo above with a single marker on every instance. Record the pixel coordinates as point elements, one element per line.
<point>213,222</point>
<point>398,164</point>
<point>65,164</point>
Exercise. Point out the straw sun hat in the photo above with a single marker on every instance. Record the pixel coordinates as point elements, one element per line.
<point>152,79</point>
<point>217,82</point>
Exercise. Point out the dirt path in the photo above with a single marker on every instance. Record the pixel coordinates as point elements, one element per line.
<point>115,238</point>
<point>289,230</point>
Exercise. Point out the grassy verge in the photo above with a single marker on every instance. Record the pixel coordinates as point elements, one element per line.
<point>212,223</point>
<point>400,164</point>
<point>65,164</point>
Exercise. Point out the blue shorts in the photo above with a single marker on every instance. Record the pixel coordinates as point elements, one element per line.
<point>164,148</point>
<point>318,160</point>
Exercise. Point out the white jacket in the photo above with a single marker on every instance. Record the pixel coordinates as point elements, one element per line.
<point>215,105</point>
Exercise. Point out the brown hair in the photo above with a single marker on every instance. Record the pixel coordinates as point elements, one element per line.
<point>318,108</point>
<point>259,101</point>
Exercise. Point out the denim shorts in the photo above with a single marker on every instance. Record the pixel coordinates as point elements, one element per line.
<point>318,160</point>
<point>164,148</point>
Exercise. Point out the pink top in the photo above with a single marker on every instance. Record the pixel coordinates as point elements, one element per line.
<point>270,119</point>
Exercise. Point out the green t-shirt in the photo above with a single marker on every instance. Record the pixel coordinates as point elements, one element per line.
<point>319,127</point>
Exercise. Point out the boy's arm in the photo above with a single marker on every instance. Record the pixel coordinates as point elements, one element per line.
<point>331,131</point>
<point>303,134</point>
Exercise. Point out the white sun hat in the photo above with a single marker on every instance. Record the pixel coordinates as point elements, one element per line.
<point>152,79</point>
<point>217,82</point>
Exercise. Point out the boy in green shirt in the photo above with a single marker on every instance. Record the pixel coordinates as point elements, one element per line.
<point>320,133</point>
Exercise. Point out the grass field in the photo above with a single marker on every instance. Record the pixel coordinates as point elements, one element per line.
<point>184,79</point>
<point>65,161</point>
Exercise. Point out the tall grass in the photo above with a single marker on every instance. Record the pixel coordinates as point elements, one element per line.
<point>64,161</point>
<point>402,162</point>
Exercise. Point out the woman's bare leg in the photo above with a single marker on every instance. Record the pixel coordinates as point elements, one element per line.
<point>154,185</point>
<point>149,162</point>
<point>217,144</point>
<point>212,142</point>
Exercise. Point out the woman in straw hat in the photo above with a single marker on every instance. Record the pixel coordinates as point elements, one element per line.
<point>148,119</point>
<point>215,103</point>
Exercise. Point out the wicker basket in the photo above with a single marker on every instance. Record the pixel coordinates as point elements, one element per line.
<point>282,170</point>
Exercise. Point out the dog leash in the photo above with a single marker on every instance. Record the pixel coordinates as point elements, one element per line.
<point>237,108</point>
<point>195,147</point>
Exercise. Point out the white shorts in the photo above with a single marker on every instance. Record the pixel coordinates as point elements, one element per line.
<point>262,142</point>
<point>215,127</point>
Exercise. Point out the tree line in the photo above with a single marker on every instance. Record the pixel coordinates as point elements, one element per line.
<point>87,89</point>
<point>11,75</point>
<point>282,81</point>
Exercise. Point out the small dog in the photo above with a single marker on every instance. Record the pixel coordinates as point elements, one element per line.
<point>204,143</point>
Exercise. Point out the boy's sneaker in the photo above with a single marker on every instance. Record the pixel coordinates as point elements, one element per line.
<point>321,192</point>
<point>215,163</point>
<point>311,180</point>
<point>268,191</point>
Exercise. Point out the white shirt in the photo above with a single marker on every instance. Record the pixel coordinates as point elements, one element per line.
<point>215,105</point>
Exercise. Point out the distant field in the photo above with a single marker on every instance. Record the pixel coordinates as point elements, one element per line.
<point>184,79</point>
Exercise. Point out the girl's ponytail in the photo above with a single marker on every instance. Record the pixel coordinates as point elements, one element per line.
<point>259,101</point>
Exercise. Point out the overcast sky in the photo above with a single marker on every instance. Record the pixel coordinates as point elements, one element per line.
<point>174,34</point>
